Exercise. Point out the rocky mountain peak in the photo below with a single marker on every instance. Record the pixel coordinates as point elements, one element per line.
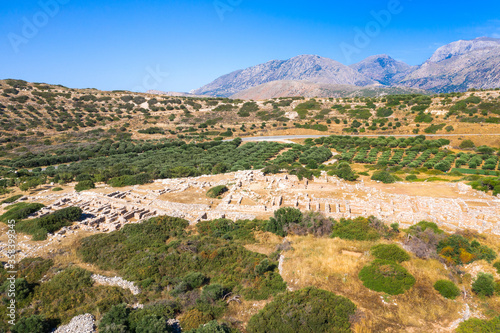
<point>463,47</point>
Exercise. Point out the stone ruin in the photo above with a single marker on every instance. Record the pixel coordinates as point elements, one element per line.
<point>252,194</point>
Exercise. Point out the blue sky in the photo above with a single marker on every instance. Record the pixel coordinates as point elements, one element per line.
<point>182,45</point>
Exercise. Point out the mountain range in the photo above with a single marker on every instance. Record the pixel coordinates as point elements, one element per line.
<point>454,67</point>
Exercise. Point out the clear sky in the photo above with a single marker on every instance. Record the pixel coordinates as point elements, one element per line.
<point>182,45</point>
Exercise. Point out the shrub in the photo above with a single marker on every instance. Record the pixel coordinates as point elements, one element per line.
<point>484,285</point>
<point>84,185</point>
<point>357,229</point>
<point>497,266</point>
<point>129,180</point>
<point>384,112</point>
<point>384,177</point>
<point>212,327</point>
<point>20,211</point>
<point>467,144</point>
<point>33,324</point>
<point>57,189</point>
<point>305,310</point>
<point>194,279</point>
<point>212,293</point>
<point>390,252</point>
<point>411,177</point>
<point>12,198</point>
<point>457,250</point>
<point>115,320</point>
<point>217,191</point>
<point>447,289</point>
<point>475,325</point>
<point>39,227</point>
<point>344,171</point>
<point>193,319</point>
<point>423,225</point>
<point>283,217</point>
<point>153,324</point>
<point>161,310</point>
<point>264,266</point>
<point>386,276</point>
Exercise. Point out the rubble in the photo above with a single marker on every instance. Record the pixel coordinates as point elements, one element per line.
<point>116,281</point>
<point>79,324</point>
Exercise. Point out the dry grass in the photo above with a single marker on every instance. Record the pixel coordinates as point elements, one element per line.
<point>319,262</point>
<point>240,313</point>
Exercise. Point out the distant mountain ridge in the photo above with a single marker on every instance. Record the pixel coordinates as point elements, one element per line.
<point>457,66</point>
<point>383,69</point>
<point>309,68</point>
<point>284,88</point>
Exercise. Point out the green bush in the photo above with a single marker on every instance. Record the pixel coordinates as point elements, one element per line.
<point>20,211</point>
<point>194,279</point>
<point>212,327</point>
<point>357,229</point>
<point>458,250</point>
<point>217,191</point>
<point>423,225</point>
<point>53,222</point>
<point>193,319</point>
<point>84,185</point>
<point>475,325</point>
<point>129,180</point>
<point>384,112</point>
<point>57,189</point>
<point>497,266</point>
<point>115,320</point>
<point>153,324</point>
<point>386,276</point>
<point>161,310</point>
<point>447,289</point>
<point>484,285</point>
<point>283,217</point>
<point>411,177</point>
<point>384,177</point>
<point>12,198</point>
<point>32,324</point>
<point>467,144</point>
<point>304,311</point>
<point>390,252</point>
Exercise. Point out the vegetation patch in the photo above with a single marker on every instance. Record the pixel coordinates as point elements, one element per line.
<point>386,276</point>
<point>390,252</point>
<point>217,191</point>
<point>447,289</point>
<point>360,228</point>
<point>305,310</point>
<point>12,198</point>
<point>39,227</point>
<point>457,250</point>
<point>20,211</point>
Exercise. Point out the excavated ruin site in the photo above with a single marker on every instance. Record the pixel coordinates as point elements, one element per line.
<point>255,195</point>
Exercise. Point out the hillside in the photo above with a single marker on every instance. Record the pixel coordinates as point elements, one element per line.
<point>241,234</point>
<point>279,89</point>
